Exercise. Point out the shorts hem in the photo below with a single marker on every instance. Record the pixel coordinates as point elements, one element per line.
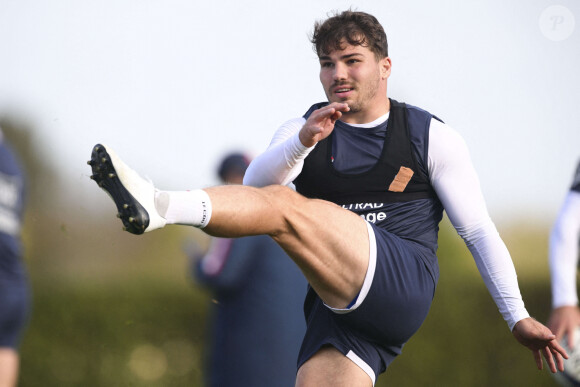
<point>368,277</point>
<point>347,352</point>
<point>362,364</point>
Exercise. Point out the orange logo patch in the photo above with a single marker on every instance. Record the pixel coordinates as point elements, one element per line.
<point>400,181</point>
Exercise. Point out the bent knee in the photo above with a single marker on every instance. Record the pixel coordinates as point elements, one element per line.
<point>284,199</point>
<point>287,207</point>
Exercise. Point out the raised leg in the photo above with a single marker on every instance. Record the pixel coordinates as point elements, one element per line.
<point>327,242</point>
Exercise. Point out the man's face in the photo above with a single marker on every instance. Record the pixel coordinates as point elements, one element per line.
<point>353,75</point>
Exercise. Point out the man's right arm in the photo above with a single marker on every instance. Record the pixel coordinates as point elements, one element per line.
<point>282,161</point>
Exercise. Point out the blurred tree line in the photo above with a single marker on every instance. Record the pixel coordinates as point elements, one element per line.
<point>113,309</point>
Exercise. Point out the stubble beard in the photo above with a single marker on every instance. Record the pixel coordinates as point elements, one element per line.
<point>364,95</point>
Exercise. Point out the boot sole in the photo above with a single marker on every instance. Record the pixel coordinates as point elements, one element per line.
<point>133,215</point>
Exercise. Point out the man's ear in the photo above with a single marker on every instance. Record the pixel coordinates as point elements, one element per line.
<point>385,66</point>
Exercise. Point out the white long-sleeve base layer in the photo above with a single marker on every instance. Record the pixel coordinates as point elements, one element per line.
<point>564,252</point>
<point>453,177</point>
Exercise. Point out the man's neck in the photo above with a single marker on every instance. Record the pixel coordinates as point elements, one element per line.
<point>367,115</point>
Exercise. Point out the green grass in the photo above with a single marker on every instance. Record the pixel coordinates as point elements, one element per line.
<point>119,336</point>
<point>112,310</point>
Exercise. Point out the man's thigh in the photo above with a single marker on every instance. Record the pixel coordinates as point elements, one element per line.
<point>330,245</point>
<point>330,368</point>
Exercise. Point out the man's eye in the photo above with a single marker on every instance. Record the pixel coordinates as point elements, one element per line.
<point>326,64</point>
<point>352,61</point>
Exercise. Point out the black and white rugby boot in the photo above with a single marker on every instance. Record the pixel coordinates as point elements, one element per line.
<point>133,195</point>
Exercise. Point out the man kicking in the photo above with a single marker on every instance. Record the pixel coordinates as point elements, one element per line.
<point>373,177</point>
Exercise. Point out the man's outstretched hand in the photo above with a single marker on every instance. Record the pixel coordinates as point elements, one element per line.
<point>541,341</point>
<point>321,123</point>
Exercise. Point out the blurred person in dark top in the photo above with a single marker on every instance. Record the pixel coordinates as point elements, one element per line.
<point>563,257</point>
<point>256,320</point>
<point>14,302</point>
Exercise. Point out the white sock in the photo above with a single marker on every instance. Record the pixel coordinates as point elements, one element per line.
<point>191,208</point>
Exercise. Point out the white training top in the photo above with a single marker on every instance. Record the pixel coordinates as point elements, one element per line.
<point>563,251</point>
<point>453,177</point>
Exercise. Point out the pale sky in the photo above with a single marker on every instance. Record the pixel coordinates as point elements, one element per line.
<point>171,85</point>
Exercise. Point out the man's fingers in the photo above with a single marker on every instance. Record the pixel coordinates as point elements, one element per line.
<point>333,112</point>
<point>341,106</point>
<point>549,359</point>
<point>556,347</point>
<point>337,114</point>
<point>331,109</point>
<point>538,358</point>
<point>559,360</point>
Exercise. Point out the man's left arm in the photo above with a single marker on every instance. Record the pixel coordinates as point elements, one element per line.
<point>453,177</point>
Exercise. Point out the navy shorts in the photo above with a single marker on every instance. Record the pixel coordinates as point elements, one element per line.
<point>392,305</point>
<point>14,304</point>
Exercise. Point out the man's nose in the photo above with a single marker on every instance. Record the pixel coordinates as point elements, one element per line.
<point>339,72</point>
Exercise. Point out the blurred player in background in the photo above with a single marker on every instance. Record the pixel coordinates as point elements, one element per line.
<point>563,255</point>
<point>256,323</point>
<point>13,282</point>
<point>373,176</point>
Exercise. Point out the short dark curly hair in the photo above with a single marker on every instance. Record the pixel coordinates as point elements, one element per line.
<point>353,27</point>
